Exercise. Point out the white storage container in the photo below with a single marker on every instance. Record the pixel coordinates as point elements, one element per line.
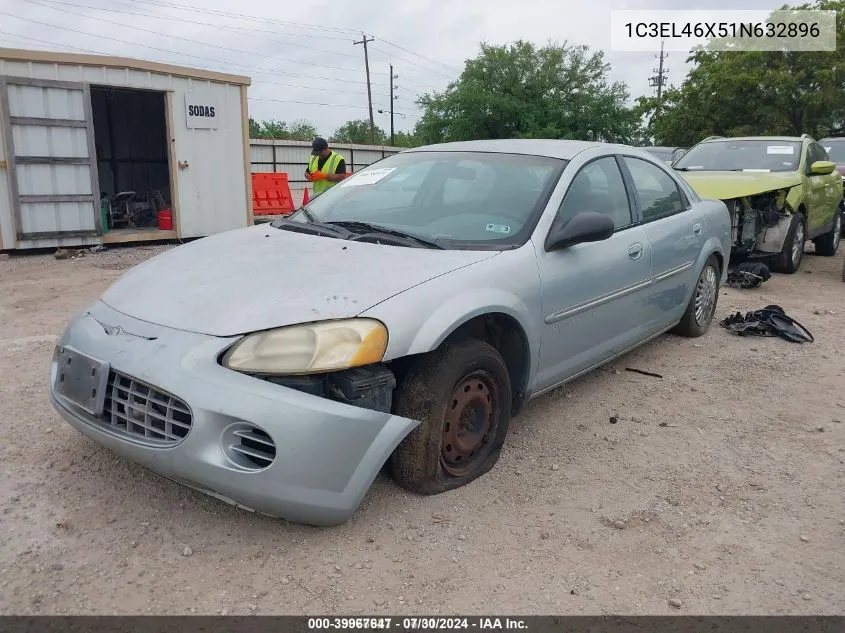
<point>77,130</point>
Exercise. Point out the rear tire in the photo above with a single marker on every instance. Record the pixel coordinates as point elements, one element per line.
<point>461,393</point>
<point>702,306</point>
<point>788,261</point>
<point>827,244</point>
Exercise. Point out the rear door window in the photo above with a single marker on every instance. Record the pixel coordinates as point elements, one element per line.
<point>657,192</point>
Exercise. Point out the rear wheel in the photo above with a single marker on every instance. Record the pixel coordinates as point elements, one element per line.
<point>699,313</point>
<point>827,244</point>
<point>461,394</point>
<point>789,259</point>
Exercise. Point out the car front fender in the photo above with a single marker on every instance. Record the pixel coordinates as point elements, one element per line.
<point>795,198</point>
<point>421,318</point>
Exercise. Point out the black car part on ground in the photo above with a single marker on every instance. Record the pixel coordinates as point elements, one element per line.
<point>770,321</point>
<point>369,387</point>
<point>748,275</point>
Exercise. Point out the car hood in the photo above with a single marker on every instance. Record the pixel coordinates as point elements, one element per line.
<point>260,277</point>
<point>725,185</point>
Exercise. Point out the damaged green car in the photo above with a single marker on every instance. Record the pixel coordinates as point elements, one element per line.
<point>780,191</point>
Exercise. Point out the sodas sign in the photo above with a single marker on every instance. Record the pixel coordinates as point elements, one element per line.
<point>201,111</point>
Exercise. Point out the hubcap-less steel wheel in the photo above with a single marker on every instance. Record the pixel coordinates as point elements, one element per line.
<point>705,295</point>
<point>470,423</point>
<point>798,243</point>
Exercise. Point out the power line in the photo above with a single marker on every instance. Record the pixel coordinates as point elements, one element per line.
<point>34,39</point>
<point>177,37</point>
<point>407,61</point>
<point>434,61</point>
<point>262,20</point>
<point>53,45</point>
<point>265,20</point>
<point>313,103</point>
<point>178,53</point>
<point>230,29</point>
<point>213,13</point>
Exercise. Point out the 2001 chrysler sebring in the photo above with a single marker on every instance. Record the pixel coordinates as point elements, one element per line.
<point>402,317</point>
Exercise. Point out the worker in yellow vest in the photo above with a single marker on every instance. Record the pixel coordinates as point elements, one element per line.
<point>326,167</point>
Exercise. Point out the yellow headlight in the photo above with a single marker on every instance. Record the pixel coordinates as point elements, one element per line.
<point>310,348</point>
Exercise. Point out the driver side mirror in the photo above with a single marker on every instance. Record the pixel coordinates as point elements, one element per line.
<point>822,168</point>
<point>587,226</point>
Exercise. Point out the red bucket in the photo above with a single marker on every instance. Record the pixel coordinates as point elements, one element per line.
<point>165,220</point>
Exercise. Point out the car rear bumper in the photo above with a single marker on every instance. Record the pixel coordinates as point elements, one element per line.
<point>326,453</point>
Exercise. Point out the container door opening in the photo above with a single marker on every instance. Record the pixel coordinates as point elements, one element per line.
<point>133,166</point>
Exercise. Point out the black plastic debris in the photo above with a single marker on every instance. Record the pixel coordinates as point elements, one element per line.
<point>748,275</point>
<point>770,321</point>
<point>644,373</point>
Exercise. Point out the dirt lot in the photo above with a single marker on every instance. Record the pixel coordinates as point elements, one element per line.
<point>721,486</point>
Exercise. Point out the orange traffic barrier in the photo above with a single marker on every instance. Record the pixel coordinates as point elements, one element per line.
<point>271,194</point>
<point>305,197</point>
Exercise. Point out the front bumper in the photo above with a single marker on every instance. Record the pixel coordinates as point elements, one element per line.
<point>327,453</point>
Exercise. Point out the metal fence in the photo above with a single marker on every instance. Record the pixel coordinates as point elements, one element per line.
<point>292,157</point>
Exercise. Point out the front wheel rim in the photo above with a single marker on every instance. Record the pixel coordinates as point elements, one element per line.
<point>705,295</point>
<point>472,414</point>
<point>798,243</point>
<point>837,231</point>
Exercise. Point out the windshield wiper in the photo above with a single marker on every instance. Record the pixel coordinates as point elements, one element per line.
<point>316,228</point>
<point>375,228</point>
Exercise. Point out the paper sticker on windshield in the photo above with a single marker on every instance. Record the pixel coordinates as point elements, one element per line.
<point>368,177</point>
<point>504,229</point>
<point>780,149</point>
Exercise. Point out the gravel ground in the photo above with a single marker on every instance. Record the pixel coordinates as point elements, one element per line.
<point>718,491</point>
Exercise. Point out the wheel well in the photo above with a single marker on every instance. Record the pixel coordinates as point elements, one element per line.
<point>507,336</point>
<point>721,261</point>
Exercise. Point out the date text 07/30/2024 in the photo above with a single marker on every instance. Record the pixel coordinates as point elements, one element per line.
<point>416,623</point>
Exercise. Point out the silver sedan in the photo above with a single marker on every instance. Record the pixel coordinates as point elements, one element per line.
<point>402,317</point>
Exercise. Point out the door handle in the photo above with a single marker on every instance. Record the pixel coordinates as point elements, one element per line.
<point>635,251</point>
<point>696,229</point>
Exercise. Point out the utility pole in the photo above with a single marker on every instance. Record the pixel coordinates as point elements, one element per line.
<point>658,80</point>
<point>392,99</point>
<point>365,41</point>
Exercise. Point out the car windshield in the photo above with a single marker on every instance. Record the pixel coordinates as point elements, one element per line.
<point>666,154</point>
<point>835,149</point>
<point>458,199</point>
<point>742,155</point>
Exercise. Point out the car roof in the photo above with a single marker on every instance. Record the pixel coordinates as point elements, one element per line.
<point>550,148</point>
<point>791,139</point>
<point>832,138</point>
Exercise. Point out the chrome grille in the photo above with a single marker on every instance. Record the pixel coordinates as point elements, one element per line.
<point>140,410</point>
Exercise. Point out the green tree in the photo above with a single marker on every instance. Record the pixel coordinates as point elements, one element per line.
<point>358,131</point>
<point>734,93</point>
<point>302,130</point>
<point>522,91</point>
<point>296,131</point>
<point>405,139</point>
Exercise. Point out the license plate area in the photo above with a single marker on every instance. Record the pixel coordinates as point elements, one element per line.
<point>82,379</point>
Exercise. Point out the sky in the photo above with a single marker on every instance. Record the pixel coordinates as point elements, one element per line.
<point>301,56</point>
